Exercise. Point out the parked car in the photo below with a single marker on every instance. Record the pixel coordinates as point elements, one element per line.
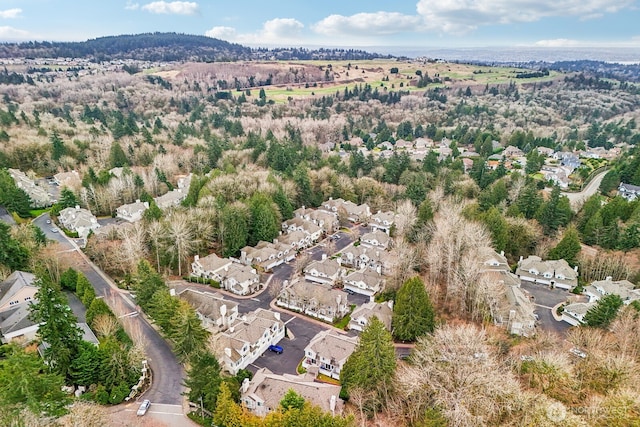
<point>144,407</point>
<point>276,349</point>
<point>54,230</point>
<point>578,352</point>
<point>48,221</point>
<point>349,291</point>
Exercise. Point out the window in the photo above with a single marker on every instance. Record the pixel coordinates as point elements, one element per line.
<point>14,302</point>
<point>27,299</point>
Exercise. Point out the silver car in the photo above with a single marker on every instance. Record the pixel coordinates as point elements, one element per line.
<point>144,406</point>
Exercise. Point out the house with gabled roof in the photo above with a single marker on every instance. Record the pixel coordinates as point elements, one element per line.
<point>69,179</point>
<point>382,221</point>
<point>214,311</point>
<point>171,198</point>
<point>17,289</point>
<point>366,282</point>
<point>554,273</point>
<point>327,353</point>
<point>300,224</point>
<point>210,267</point>
<point>492,260</point>
<point>17,326</point>
<point>324,271</point>
<point>629,191</point>
<point>355,213</point>
<point>359,257</point>
<point>574,313</point>
<point>314,299</point>
<point>38,196</point>
<point>79,220</point>
<point>375,239</point>
<point>263,393</point>
<point>249,337</point>
<point>361,316</point>
<point>265,255</point>
<point>296,240</point>
<point>132,212</point>
<point>623,288</point>
<point>240,279</point>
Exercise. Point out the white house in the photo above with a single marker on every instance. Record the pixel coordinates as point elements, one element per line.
<point>623,288</point>
<point>132,212</point>
<point>263,393</point>
<point>240,279</point>
<point>69,179</point>
<point>79,220</point>
<point>324,271</point>
<point>328,351</point>
<point>17,289</point>
<point>361,315</point>
<point>366,282</point>
<point>376,239</point>
<point>314,299</point>
<point>210,267</point>
<point>555,273</point>
<point>215,312</point>
<point>171,198</point>
<point>629,191</point>
<point>382,221</point>
<point>250,336</point>
<point>574,313</point>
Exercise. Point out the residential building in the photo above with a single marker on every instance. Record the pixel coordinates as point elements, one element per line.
<point>171,198</point>
<point>17,289</point>
<point>16,325</point>
<point>556,273</point>
<point>314,299</point>
<point>570,160</point>
<point>355,213</point>
<point>360,257</point>
<point>39,196</point>
<point>382,221</point>
<point>362,315</point>
<point>325,271</point>
<point>623,288</point>
<point>78,220</point>
<point>629,191</point>
<point>68,179</point>
<point>375,239</point>
<point>512,152</point>
<point>215,312</point>
<point>210,267</point>
<point>574,313</point>
<point>240,279</point>
<point>327,353</point>
<point>132,212</point>
<point>401,144</point>
<point>491,260</point>
<point>266,255</point>
<point>296,240</point>
<point>248,337</point>
<point>366,282</point>
<point>545,151</point>
<point>263,393</point>
<point>307,227</point>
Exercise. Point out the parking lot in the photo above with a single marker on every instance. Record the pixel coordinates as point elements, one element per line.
<point>545,298</point>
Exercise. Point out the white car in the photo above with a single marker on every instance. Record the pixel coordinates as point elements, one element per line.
<point>144,407</point>
<point>577,352</point>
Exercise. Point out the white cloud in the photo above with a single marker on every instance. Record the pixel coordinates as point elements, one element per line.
<point>461,16</point>
<point>132,6</point>
<point>275,31</point>
<point>10,34</point>
<point>223,33</point>
<point>558,43</point>
<point>172,8</point>
<point>367,24</point>
<point>10,13</point>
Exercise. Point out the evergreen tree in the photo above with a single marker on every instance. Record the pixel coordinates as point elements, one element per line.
<point>372,365</point>
<point>568,248</point>
<point>555,213</point>
<point>609,183</point>
<point>529,201</point>
<point>188,334</point>
<point>57,146</point>
<point>68,199</point>
<point>68,279</point>
<point>604,312</point>
<point>25,381</point>
<point>234,229</point>
<point>265,219</point>
<point>413,313</point>
<point>58,326</point>
<point>83,370</point>
<point>284,204</point>
<point>203,379</point>
<point>12,254</point>
<point>498,226</point>
<point>117,156</point>
<point>303,186</point>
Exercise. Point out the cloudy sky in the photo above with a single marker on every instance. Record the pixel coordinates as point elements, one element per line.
<point>350,23</point>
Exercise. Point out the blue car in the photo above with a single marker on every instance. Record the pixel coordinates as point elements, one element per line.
<point>276,349</point>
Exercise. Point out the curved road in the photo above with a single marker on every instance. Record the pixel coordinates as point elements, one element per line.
<point>578,199</point>
<point>167,387</point>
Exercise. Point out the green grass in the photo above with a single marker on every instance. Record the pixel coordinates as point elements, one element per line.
<point>326,379</point>
<point>300,370</point>
<point>37,212</point>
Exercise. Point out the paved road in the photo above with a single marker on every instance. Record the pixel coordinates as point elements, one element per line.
<point>6,216</point>
<point>167,385</point>
<point>578,199</point>
<point>545,298</point>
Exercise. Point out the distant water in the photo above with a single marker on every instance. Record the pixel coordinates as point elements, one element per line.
<point>518,54</point>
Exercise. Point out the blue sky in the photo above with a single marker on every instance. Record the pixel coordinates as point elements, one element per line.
<point>349,23</point>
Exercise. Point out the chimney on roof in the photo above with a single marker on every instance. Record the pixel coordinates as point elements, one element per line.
<point>245,385</point>
<point>77,207</point>
<point>575,268</point>
<point>609,279</point>
<point>324,256</point>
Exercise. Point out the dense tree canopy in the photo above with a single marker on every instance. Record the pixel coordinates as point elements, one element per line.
<point>413,313</point>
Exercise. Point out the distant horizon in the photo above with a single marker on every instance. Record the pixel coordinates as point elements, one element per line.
<point>427,24</point>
